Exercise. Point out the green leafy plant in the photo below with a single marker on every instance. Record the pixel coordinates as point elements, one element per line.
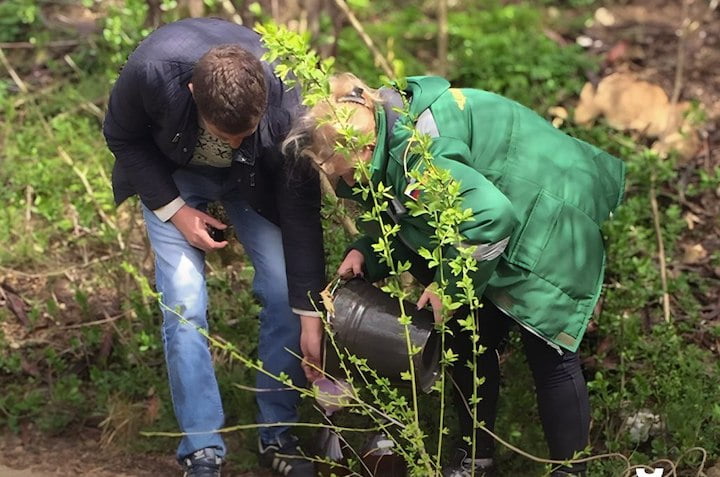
<point>16,18</point>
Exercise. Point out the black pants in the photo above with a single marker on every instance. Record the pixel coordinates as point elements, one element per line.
<point>562,394</point>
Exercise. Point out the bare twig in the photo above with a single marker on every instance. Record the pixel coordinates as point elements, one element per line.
<point>13,74</point>
<point>661,251</point>
<point>109,319</point>
<point>61,271</point>
<point>28,207</point>
<point>93,109</point>
<point>671,125</point>
<point>88,106</point>
<point>679,71</point>
<point>32,97</point>
<point>379,58</point>
<point>83,178</point>
<point>19,45</point>
<point>71,63</point>
<point>230,9</point>
<point>442,37</point>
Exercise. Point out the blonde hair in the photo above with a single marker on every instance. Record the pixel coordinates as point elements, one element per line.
<point>315,134</point>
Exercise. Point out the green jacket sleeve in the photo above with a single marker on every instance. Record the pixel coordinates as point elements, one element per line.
<point>493,218</point>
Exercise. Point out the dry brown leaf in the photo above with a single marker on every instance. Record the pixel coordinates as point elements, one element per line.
<point>15,303</point>
<point>617,52</point>
<point>586,109</point>
<point>714,471</point>
<point>152,411</point>
<point>691,219</point>
<point>627,104</point>
<point>328,301</point>
<point>604,17</point>
<point>685,141</point>
<point>630,104</point>
<point>693,253</point>
<point>29,368</point>
<point>559,115</point>
<point>558,112</point>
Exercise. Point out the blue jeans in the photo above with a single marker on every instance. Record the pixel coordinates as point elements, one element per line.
<point>180,277</point>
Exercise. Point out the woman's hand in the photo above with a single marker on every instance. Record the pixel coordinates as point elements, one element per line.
<point>429,295</point>
<point>193,225</point>
<point>352,265</point>
<point>311,346</point>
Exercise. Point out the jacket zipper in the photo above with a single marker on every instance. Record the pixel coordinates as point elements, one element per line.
<point>550,343</point>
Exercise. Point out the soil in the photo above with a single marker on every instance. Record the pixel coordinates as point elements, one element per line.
<point>32,454</point>
<point>642,38</point>
<point>79,454</point>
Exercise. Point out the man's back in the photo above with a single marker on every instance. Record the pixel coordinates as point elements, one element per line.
<point>187,40</point>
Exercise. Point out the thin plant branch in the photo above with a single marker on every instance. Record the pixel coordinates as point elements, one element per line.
<point>19,45</point>
<point>61,271</point>
<point>13,74</point>
<point>680,68</point>
<point>230,9</point>
<point>109,319</point>
<point>245,427</point>
<point>442,52</point>
<point>661,250</point>
<point>681,54</point>
<point>91,193</point>
<point>379,58</point>
<point>29,199</point>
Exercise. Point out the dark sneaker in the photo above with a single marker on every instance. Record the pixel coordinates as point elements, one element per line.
<point>462,465</point>
<point>286,459</point>
<point>202,463</point>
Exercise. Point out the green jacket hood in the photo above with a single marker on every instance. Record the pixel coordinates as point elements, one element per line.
<point>425,90</point>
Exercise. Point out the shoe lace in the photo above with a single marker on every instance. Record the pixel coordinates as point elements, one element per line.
<point>199,461</point>
<point>284,458</point>
<point>466,469</point>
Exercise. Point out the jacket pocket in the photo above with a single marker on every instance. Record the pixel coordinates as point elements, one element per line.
<point>532,239</point>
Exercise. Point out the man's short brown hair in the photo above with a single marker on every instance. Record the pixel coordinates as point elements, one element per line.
<point>229,88</point>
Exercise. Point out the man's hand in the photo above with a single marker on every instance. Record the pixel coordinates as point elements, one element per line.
<point>352,265</point>
<point>311,346</point>
<point>193,224</point>
<point>429,295</point>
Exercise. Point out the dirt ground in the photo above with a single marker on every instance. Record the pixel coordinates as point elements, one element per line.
<point>641,37</point>
<point>79,454</point>
<point>34,455</point>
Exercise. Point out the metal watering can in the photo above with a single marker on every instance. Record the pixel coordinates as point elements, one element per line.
<point>365,324</point>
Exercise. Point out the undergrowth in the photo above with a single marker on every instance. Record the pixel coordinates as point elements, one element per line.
<point>85,349</point>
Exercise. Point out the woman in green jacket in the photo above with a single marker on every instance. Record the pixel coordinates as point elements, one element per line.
<point>538,197</point>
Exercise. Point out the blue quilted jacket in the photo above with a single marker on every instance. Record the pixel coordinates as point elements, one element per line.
<point>151,127</point>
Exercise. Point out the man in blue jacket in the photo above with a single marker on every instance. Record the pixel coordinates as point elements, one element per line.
<point>195,117</point>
